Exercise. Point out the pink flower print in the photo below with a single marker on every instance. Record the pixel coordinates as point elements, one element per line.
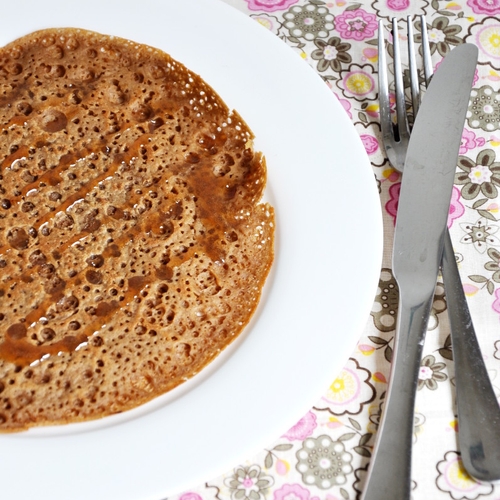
<point>370,143</point>
<point>398,5</point>
<point>496,303</point>
<point>496,307</point>
<point>270,5</point>
<point>485,6</point>
<point>470,141</point>
<point>190,496</point>
<point>370,54</point>
<point>392,205</point>
<point>303,428</point>
<point>345,104</point>
<point>293,492</point>
<point>356,24</point>
<point>456,207</point>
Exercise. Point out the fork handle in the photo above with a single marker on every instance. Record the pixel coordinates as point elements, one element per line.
<point>477,405</point>
<point>389,475</point>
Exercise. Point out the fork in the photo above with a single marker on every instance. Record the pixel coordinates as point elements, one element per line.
<point>477,407</point>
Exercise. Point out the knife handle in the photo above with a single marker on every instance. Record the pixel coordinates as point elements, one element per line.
<point>389,474</point>
<point>477,405</point>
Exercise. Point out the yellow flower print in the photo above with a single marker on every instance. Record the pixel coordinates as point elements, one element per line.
<point>358,82</point>
<point>486,35</point>
<point>453,479</point>
<point>343,388</point>
<point>349,391</point>
<point>490,41</point>
<point>458,476</point>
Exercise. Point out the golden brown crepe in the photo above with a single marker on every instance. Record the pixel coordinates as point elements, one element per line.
<point>133,243</point>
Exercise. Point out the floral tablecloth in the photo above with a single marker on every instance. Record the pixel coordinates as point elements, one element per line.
<point>338,39</point>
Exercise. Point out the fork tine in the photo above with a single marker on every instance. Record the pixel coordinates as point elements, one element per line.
<point>403,130</point>
<point>383,86</point>
<point>426,51</point>
<point>412,62</point>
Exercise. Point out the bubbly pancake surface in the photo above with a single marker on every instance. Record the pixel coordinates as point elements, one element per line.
<point>133,243</point>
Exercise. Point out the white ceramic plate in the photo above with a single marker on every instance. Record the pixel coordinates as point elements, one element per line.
<point>328,254</point>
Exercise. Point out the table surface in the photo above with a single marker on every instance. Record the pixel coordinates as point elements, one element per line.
<point>338,39</point>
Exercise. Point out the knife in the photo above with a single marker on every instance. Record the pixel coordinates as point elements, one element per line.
<point>477,406</point>
<point>423,209</point>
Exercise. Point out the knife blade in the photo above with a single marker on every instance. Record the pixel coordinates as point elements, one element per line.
<point>418,247</point>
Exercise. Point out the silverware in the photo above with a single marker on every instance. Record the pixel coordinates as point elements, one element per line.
<point>418,246</point>
<point>477,406</point>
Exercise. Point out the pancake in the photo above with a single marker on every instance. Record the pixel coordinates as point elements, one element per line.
<point>134,244</point>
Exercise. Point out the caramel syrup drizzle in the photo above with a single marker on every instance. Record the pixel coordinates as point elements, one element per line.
<point>53,177</point>
<point>18,350</point>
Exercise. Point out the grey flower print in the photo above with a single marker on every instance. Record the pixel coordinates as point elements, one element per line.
<point>480,176</point>
<point>323,462</point>
<point>248,483</point>
<point>484,109</point>
<point>442,35</point>
<point>431,373</point>
<point>308,21</point>
<point>481,235</point>
<point>331,54</point>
